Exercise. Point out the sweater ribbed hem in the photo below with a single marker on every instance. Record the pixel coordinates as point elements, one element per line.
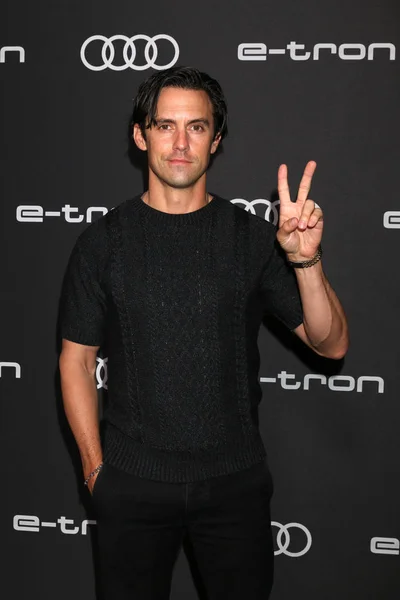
<point>124,453</point>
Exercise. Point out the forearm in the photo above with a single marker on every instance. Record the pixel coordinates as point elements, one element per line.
<point>324,320</point>
<point>81,408</point>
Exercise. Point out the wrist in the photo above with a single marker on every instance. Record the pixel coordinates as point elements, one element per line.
<point>312,277</point>
<point>90,460</point>
<point>90,463</point>
<point>94,472</point>
<point>300,262</point>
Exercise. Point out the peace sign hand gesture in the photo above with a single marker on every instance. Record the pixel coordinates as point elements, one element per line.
<point>300,222</point>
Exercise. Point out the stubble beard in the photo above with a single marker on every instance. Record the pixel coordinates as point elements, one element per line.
<point>179,180</point>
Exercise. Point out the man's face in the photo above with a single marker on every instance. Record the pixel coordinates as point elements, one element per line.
<point>180,144</point>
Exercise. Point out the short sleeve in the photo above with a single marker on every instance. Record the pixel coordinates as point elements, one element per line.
<point>280,292</point>
<point>83,301</point>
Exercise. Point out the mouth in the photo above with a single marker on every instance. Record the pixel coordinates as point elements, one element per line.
<point>179,161</point>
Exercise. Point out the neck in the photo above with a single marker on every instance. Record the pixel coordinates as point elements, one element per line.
<point>174,200</point>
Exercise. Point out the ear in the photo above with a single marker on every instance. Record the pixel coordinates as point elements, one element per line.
<point>215,143</point>
<point>140,141</point>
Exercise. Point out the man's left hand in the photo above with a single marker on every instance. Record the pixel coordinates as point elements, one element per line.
<point>300,222</point>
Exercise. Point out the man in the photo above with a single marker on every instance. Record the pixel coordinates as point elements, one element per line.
<point>176,282</point>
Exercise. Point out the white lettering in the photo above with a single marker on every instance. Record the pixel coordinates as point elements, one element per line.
<point>277,51</point>
<point>18,49</point>
<point>252,52</point>
<point>317,47</point>
<point>342,51</point>
<point>93,209</point>
<point>378,380</point>
<point>284,376</point>
<point>85,524</point>
<point>30,214</point>
<point>336,383</point>
<point>307,379</point>
<point>391,219</point>
<point>390,47</point>
<point>341,388</point>
<point>68,209</point>
<point>383,545</point>
<point>35,214</point>
<point>13,365</point>
<point>63,526</point>
<point>293,47</point>
<point>67,526</point>
<point>26,523</point>
<point>351,51</point>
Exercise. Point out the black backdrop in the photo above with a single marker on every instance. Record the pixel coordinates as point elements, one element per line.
<point>331,429</point>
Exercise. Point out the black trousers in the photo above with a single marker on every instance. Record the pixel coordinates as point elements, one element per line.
<point>141,525</point>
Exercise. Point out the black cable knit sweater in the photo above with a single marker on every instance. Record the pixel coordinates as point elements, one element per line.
<point>178,300</point>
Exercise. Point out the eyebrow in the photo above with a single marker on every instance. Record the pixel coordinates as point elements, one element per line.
<point>200,120</point>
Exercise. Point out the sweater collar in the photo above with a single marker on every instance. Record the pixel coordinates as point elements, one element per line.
<point>165,218</point>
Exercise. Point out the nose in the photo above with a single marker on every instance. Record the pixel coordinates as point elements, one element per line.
<point>181,141</point>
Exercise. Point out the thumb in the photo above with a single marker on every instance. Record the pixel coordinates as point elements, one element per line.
<point>285,235</point>
<point>287,228</point>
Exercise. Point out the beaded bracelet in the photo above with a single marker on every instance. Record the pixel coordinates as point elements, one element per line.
<point>96,470</point>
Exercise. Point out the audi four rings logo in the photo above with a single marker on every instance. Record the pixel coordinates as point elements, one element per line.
<point>271,212</point>
<point>102,373</point>
<point>283,539</point>
<point>129,52</point>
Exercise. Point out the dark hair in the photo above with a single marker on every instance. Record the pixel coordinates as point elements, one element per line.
<point>187,78</point>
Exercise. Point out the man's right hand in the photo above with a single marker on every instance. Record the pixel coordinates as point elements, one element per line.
<point>79,391</point>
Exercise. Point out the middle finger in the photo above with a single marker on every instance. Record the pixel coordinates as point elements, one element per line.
<point>305,183</point>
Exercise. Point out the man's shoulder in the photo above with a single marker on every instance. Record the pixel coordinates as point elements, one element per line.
<point>96,233</point>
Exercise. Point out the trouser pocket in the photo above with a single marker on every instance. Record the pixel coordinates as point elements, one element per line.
<point>99,480</point>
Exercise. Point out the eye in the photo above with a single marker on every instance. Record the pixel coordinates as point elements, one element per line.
<point>164,126</point>
<point>197,127</point>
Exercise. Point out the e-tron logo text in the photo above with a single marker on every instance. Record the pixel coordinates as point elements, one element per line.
<point>283,539</point>
<point>391,219</point>
<point>32,213</point>
<point>33,524</point>
<point>7,49</point>
<point>268,209</point>
<point>129,52</point>
<point>297,52</point>
<point>336,383</point>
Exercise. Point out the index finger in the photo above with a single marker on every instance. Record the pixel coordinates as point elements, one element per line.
<point>305,183</point>
<point>283,185</point>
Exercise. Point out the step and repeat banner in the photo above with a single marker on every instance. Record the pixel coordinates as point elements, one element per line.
<point>304,81</point>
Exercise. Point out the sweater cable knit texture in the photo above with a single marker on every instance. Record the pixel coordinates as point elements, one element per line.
<point>176,302</point>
